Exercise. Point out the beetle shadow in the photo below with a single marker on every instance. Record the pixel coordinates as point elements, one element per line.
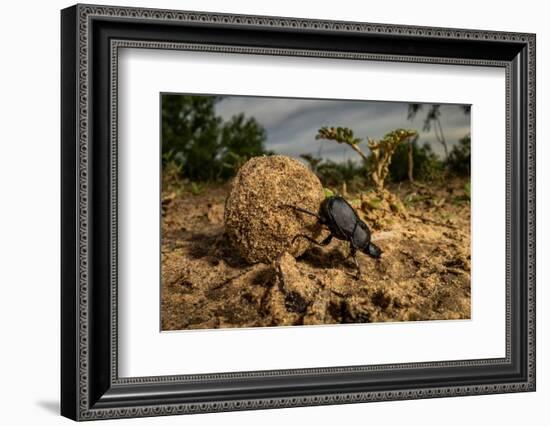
<point>330,257</point>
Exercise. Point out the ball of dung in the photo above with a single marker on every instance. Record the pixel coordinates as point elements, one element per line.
<point>259,219</point>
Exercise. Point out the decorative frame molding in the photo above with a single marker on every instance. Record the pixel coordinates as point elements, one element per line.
<point>91,37</point>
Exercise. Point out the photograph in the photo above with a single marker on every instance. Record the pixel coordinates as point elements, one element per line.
<point>301,212</point>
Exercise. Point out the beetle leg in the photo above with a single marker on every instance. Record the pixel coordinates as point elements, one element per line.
<point>325,242</point>
<point>353,254</point>
<point>303,211</point>
<point>358,276</point>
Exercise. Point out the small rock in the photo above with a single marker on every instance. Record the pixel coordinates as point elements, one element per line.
<point>337,281</point>
<point>293,281</point>
<point>276,306</point>
<point>317,312</point>
<point>357,310</point>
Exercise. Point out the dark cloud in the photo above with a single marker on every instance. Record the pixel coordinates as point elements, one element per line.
<point>291,124</point>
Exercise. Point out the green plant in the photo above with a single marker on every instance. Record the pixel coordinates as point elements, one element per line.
<point>204,145</point>
<point>460,157</point>
<point>335,174</point>
<point>171,172</point>
<point>426,166</point>
<point>382,151</point>
<point>233,162</point>
<point>341,135</point>
<point>432,117</point>
<point>196,188</point>
<point>431,168</point>
<point>328,192</point>
<point>313,162</point>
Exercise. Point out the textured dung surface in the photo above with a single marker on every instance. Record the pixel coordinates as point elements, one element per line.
<point>257,222</point>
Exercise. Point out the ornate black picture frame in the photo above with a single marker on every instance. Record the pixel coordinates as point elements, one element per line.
<point>91,36</point>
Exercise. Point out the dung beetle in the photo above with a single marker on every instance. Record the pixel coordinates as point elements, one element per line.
<point>344,224</point>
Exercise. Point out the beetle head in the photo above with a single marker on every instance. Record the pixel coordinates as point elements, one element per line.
<point>373,250</point>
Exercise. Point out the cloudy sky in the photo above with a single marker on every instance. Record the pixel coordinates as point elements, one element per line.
<point>291,124</point>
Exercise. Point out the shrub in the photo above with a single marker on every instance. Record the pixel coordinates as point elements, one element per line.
<point>427,166</point>
<point>460,157</point>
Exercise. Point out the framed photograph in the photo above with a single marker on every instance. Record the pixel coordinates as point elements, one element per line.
<point>263,212</point>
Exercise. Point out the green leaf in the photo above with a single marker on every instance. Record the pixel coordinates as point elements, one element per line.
<point>196,188</point>
<point>328,192</point>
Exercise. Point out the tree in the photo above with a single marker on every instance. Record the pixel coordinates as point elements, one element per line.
<point>190,133</point>
<point>431,119</point>
<point>460,157</point>
<point>205,147</point>
<point>241,139</point>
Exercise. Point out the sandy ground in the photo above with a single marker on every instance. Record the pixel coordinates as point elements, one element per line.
<point>424,272</point>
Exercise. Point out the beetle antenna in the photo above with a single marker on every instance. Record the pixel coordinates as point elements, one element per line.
<point>302,211</point>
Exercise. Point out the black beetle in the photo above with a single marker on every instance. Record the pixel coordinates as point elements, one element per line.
<point>344,224</point>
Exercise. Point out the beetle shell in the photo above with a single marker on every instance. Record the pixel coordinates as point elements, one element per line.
<point>344,223</point>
